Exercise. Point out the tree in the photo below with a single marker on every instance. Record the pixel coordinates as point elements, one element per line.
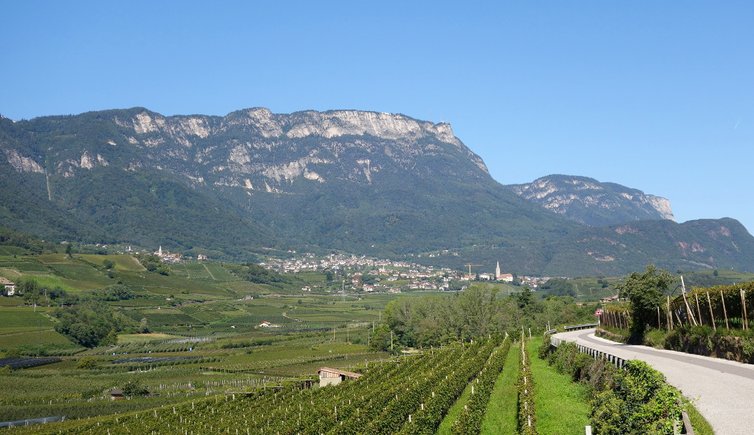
<point>31,291</point>
<point>380,340</point>
<point>476,308</point>
<point>89,324</point>
<point>144,326</point>
<point>525,298</point>
<point>69,250</point>
<point>645,292</point>
<point>134,388</point>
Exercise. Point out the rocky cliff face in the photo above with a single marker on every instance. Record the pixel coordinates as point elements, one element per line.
<point>378,184</point>
<point>588,201</point>
<point>255,149</point>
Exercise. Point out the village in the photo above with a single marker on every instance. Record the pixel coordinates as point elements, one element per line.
<point>370,275</point>
<point>366,274</point>
<point>359,274</point>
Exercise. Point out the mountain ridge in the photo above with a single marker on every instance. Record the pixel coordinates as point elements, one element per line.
<point>591,202</point>
<point>365,182</point>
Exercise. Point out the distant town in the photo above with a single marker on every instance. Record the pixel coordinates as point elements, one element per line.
<point>381,275</point>
<point>367,274</point>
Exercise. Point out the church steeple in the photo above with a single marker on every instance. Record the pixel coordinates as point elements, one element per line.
<point>497,271</point>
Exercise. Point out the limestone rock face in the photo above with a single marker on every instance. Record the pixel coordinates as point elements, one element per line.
<point>593,203</point>
<point>271,150</point>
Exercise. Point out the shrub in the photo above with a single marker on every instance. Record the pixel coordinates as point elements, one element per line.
<point>634,400</point>
<point>86,363</point>
<point>134,388</point>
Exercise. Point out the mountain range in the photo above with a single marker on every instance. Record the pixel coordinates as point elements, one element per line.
<point>255,182</point>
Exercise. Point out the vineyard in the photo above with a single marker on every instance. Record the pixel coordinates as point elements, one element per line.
<point>724,307</point>
<point>408,395</point>
<point>712,321</point>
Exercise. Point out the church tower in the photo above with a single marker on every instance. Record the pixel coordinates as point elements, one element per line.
<point>497,271</point>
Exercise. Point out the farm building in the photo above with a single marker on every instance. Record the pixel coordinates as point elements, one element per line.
<point>267,324</point>
<point>8,287</point>
<point>330,376</point>
<point>116,394</point>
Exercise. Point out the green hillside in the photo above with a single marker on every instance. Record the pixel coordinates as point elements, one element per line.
<point>239,185</point>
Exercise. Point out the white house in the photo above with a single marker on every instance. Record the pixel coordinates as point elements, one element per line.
<point>506,277</point>
<point>9,287</point>
<point>330,376</point>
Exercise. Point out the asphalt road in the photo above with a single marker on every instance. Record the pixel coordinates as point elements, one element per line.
<point>722,390</point>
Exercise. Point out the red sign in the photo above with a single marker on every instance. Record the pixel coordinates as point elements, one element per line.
<point>598,312</point>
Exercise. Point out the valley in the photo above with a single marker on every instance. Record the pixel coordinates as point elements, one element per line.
<point>344,218</point>
<point>218,336</point>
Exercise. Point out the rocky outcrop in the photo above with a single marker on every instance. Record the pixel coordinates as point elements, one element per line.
<point>255,147</point>
<point>594,203</point>
<point>21,163</point>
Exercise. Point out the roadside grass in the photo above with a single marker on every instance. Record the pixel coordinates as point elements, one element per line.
<point>698,422</point>
<point>502,409</point>
<point>562,405</point>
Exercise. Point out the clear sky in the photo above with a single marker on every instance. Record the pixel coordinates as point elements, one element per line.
<point>655,95</point>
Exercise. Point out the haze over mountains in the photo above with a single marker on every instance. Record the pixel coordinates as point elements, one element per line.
<point>363,182</point>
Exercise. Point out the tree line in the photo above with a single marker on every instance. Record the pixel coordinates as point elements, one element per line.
<point>478,312</point>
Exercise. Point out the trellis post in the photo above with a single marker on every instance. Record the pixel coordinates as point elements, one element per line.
<point>711,314</point>
<point>680,322</point>
<point>686,301</point>
<point>725,312</point>
<point>698,310</point>
<point>745,314</point>
<point>688,309</point>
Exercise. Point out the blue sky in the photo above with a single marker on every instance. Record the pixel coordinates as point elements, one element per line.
<point>657,96</point>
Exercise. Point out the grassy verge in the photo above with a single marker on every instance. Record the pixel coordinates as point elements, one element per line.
<point>698,422</point>
<point>501,412</point>
<point>562,405</point>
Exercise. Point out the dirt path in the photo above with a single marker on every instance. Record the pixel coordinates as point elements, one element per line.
<point>210,273</point>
